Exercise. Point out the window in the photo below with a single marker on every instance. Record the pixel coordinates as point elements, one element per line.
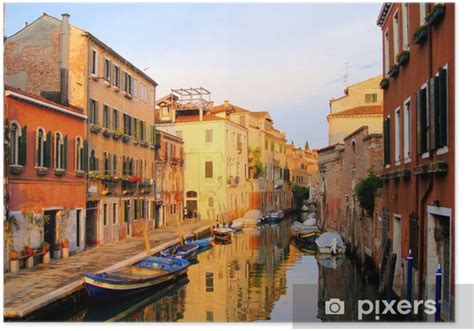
<point>116,76</point>
<point>59,151</point>
<point>104,213</point>
<point>397,136</point>
<point>208,136</point>
<point>142,131</point>
<point>209,169</point>
<point>93,112</point>
<point>441,108</point>
<point>42,153</point>
<point>407,130</point>
<point>127,83</point>
<point>79,152</point>
<point>106,164</point>
<point>17,144</point>
<point>209,282</point>
<point>386,60</point>
<point>107,70</point>
<point>396,40</point>
<point>114,213</point>
<point>93,161</point>
<point>115,119</point>
<point>422,12</point>
<point>95,63</point>
<point>211,202</point>
<point>422,120</point>
<point>106,117</point>
<point>405,23</point>
<point>386,140</point>
<point>371,97</point>
<point>115,165</point>
<point>165,112</point>
<point>145,93</point>
<point>242,120</point>
<point>127,124</point>
<point>134,87</point>
<point>179,134</point>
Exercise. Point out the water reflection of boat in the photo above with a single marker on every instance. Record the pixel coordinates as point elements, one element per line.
<point>332,262</point>
<point>252,218</point>
<point>120,309</point>
<point>330,243</point>
<point>150,272</point>
<point>203,242</point>
<point>222,234</point>
<point>304,232</point>
<point>274,216</point>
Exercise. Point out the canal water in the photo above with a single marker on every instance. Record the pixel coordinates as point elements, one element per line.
<point>261,276</point>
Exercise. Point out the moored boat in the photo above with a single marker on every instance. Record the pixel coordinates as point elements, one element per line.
<point>203,242</point>
<point>150,272</point>
<point>330,243</point>
<point>222,232</point>
<point>185,251</point>
<point>252,218</point>
<point>275,215</point>
<point>237,225</point>
<point>304,232</point>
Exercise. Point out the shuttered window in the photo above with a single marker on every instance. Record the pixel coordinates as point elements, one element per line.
<point>17,145</point>
<point>386,140</point>
<point>60,151</point>
<point>441,109</point>
<point>93,112</point>
<point>79,155</point>
<point>209,169</point>
<point>422,121</point>
<point>106,117</point>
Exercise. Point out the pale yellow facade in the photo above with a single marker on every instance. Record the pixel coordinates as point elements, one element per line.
<point>360,106</point>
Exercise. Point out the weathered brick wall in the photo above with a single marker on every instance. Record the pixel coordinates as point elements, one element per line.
<point>32,57</point>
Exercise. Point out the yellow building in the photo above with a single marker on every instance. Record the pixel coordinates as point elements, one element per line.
<point>215,150</point>
<point>69,65</point>
<point>361,105</point>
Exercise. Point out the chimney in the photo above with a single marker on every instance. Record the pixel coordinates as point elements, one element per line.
<point>64,49</point>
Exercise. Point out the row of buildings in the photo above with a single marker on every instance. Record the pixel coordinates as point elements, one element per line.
<point>409,142</point>
<point>93,157</point>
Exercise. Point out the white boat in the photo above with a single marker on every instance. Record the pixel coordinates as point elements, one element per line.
<point>275,215</point>
<point>310,221</point>
<point>330,243</point>
<point>252,218</point>
<point>237,225</point>
<point>304,208</point>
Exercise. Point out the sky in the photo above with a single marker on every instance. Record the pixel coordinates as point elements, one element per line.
<point>288,59</point>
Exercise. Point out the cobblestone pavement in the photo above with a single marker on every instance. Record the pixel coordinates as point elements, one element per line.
<point>29,284</point>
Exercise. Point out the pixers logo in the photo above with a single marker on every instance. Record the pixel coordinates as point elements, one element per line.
<point>403,307</point>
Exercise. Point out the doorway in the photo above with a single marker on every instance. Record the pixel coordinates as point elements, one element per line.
<point>91,223</point>
<point>50,230</point>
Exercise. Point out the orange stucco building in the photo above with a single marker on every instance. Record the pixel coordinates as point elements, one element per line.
<point>44,171</point>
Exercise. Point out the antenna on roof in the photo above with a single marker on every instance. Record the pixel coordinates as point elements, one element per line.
<point>346,75</point>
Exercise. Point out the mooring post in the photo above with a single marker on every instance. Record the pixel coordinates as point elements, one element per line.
<point>438,294</point>
<point>409,281</point>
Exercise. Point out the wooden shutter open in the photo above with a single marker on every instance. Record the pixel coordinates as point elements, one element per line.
<point>64,153</point>
<point>432,115</point>
<point>443,107</point>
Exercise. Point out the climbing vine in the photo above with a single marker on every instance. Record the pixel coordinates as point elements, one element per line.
<point>366,191</point>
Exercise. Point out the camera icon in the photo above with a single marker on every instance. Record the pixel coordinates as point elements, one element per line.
<point>335,306</point>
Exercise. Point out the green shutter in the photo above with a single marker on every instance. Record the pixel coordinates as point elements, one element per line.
<point>64,156</point>
<point>418,122</point>
<point>432,115</point>
<point>436,113</point>
<point>443,108</point>
<point>22,146</point>
<point>47,151</point>
<point>85,155</point>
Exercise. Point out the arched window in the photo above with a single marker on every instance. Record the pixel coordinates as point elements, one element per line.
<point>191,194</point>
<point>40,148</point>
<point>115,165</point>
<point>211,202</point>
<point>92,161</point>
<point>79,152</point>
<point>59,155</point>
<point>15,133</point>
<point>106,164</point>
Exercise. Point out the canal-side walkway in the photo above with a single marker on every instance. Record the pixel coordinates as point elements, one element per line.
<point>31,289</point>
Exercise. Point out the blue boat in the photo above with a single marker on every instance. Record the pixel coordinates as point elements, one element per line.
<point>203,242</point>
<point>150,272</point>
<point>185,251</point>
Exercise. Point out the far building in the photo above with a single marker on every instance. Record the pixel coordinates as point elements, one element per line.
<point>361,105</point>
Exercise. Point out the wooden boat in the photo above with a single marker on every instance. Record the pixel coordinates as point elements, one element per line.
<point>304,232</point>
<point>330,243</point>
<point>223,232</point>
<point>150,272</point>
<point>237,225</point>
<point>185,251</point>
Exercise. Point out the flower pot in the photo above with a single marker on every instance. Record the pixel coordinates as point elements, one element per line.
<point>14,266</point>
<point>13,255</point>
<point>420,35</point>
<point>435,17</point>
<point>403,58</point>
<point>65,251</point>
<point>46,258</point>
<point>57,253</point>
<point>15,169</point>
<point>384,84</point>
<point>28,251</point>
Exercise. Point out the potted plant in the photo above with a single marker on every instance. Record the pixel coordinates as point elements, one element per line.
<point>384,83</point>
<point>14,263</point>
<point>80,173</point>
<point>117,134</point>
<point>126,138</point>
<point>436,15</point>
<point>93,174</point>
<point>15,169</point>
<point>59,172</point>
<point>41,171</point>
<point>403,57</point>
<point>94,128</point>
<point>393,72</point>
<point>28,250</point>
<point>57,251</point>
<point>421,34</point>
<point>106,133</point>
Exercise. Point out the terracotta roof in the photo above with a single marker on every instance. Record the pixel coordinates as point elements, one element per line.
<point>43,99</point>
<point>195,118</point>
<point>361,110</point>
<point>228,108</point>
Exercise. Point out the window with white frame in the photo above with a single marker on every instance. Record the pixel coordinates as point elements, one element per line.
<point>107,70</point>
<point>59,156</point>
<point>94,63</point>
<point>40,148</point>
<point>422,12</point>
<point>406,26</point>
<point>93,112</point>
<point>396,40</point>
<point>386,62</point>
<point>116,79</point>
<point>15,132</point>
<point>397,136</point>
<point>79,152</point>
<point>407,130</point>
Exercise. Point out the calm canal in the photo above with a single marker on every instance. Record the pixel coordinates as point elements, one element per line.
<point>261,275</point>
